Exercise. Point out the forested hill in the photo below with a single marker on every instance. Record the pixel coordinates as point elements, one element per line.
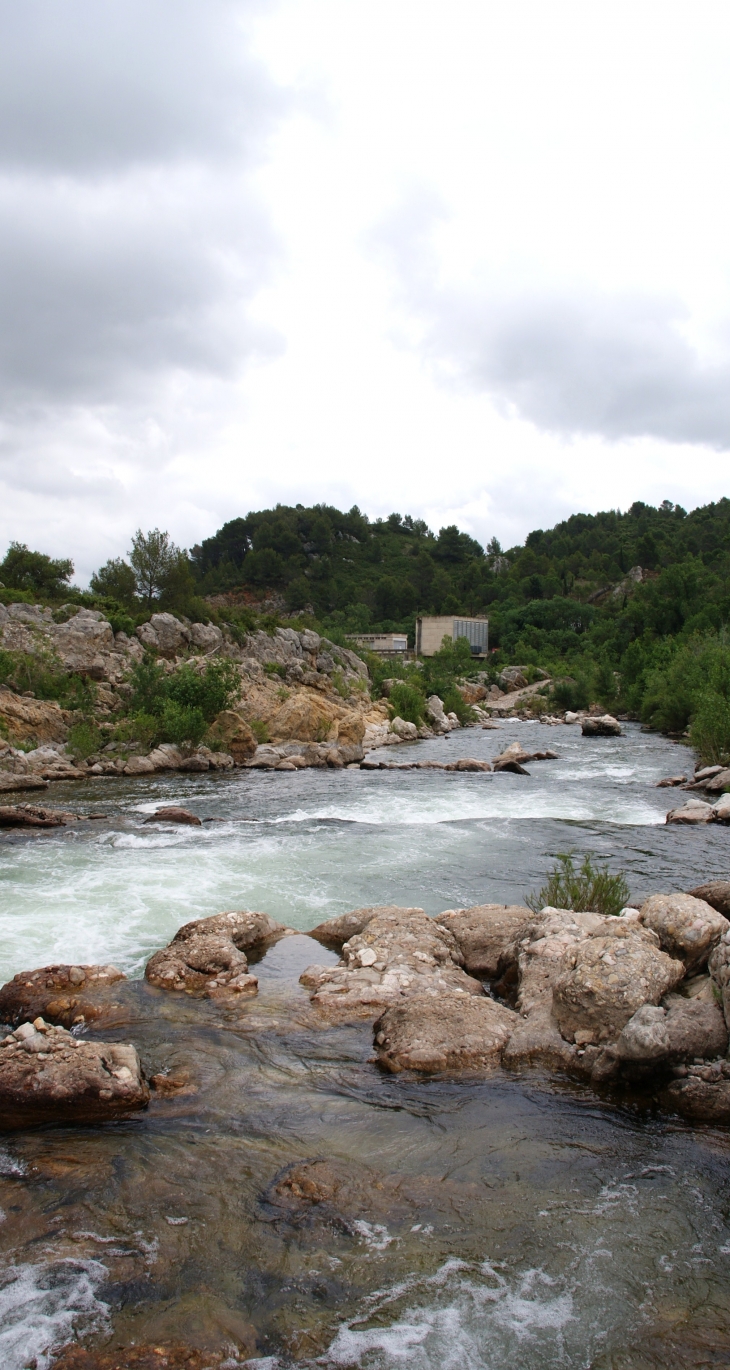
<point>357,574</point>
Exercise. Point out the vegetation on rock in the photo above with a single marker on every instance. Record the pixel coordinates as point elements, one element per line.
<point>588,890</point>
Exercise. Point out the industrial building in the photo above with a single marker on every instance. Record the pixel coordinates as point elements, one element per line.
<point>430,633</point>
<point>383,644</point>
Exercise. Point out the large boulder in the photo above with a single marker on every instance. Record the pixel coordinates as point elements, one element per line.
<point>692,811</point>
<point>11,783</point>
<point>31,720</point>
<point>512,678</point>
<point>407,732</point>
<point>31,816</point>
<point>687,928</point>
<point>719,968</point>
<point>207,956</point>
<point>604,725</point>
<point>334,932</point>
<point>49,1076</point>
<point>435,714</point>
<point>233,731</point>
<point>488,936</point>
<point>399,953</point>
<point>205,636</point>
<point>431,1033</point>
<point>83,642</point>
<point>678,1030</point>
<point>309,717</point>
<point>703,1094</point>
<point>604,979</point>
<point>60,994</point>
<point>716,893</point>
<point>164,634</point>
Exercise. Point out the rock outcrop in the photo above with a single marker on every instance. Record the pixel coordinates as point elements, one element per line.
<point>602,725</point>
<point>605,979</point>
<point>49,1076</point>
<point>207,957</point>
<point>431,1033</point>
<point>32,720</point>
<point>489,936</point>
<point>60,994</point>
<point>397,953</point>
<point>231,728</point>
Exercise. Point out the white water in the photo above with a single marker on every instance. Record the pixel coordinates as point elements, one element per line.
<point>43,1306</point>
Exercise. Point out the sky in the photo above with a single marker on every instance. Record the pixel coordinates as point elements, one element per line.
<point>469,262</point>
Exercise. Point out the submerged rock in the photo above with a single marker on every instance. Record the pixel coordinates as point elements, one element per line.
<point>208,957</point>
<point>48,1076</point>
<point>30,816</point>
<point>431,1033</point>
<point>172,814</point>
<point>687,927</point>
<point>60,994</point>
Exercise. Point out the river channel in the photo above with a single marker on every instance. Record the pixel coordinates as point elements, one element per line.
<point>516,1221</point>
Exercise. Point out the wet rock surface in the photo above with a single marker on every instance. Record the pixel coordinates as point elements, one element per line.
<point>455,1032</point>
<point>208,956</point>
<point>716,893</point>
<point>171,813</point>
<point>49,1076</point>
<point>65,995</point>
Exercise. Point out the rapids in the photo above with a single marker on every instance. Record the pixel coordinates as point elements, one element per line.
<point>511,1221</point>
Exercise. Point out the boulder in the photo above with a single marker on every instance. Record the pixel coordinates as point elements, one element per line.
<point>604,979</point>
<point>399,953</point>
<point>164,634</point>
<point>515,752</point>
<point>407,732</point>
<point>719,968</point>
<point>489,936</point>
<point>334,932</point>
<point>693,811</point>
<point>205,636</point>
<point>309,717</point>
<point>60,994</point>
<point>721,810</point>
<point>139,765</point>
<point>703,1094</point>
<point>707,772</point>
<point>687,928</point>
<point>472,693</point>
<point>29,816</point>
<point>604,725</point>
<point>671,781</point>
<point>207,956</point>
<point>166,757</point>
<point>31,720</point>
<point>719,782</point>
<point>435,714</point>
<point>511,679</point>
<point>510,765</point>
<point>536,1041</point>
<point>49,1076</point>
<point>467,763</point>
<point>678,1030</point>
<point>172,814</point>
<point>431,1033</point>
<point>232,729</point>
<point>716,893</point>
<point>83,642</point>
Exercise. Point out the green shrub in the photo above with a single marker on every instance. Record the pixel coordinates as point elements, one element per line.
<point>182,723</point>
<point>40,673</point>
<point>208,691</point>
<point>275,668</point>
<point>589,890</point>
<point>710,730</point>
<point>407,703</point>
<point>141,728</point>
<point>454,703</point>
<point>571,694</point>
<point>259,729</point>
<point>84,739</point>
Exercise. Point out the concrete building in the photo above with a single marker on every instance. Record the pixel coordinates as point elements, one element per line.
<point>384,644</point>
<point>430,633</point>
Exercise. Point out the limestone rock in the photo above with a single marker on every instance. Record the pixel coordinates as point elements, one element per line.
<point>471,692</point>
<point>703,1094</point>
<point>687,927</point>
<point>60,994</point>
<point>207,956</point>
<point>166,757</point>
<point>678,1030</point>
<point>604,979</point>
<point>10,783</point>
<point>48,1076</point>
<point>716,893</point>
<point>172,814</point>
<point>693,811</point>
<point>400,952</point>
<point>165,634</point>
<point>488,936</point>
<point>604,725</point>
<point>719,968</point>
<point>536,1041</point>
<point>407,732</point>
<point>309,717</point>
<point>435,714</point>
<point>205,636</point>
<point>721,809</point>
<point>717,783</point>
<point>231,728</point>
<point>511,679</point>
<point>30,816</point>
<point>514,752</point>
<point>510,765</point>
<point>671,781</point>
<point>452,1032</point>
<point>139,765</point>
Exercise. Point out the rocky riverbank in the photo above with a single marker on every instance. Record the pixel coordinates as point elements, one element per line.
<point>638,1002</point>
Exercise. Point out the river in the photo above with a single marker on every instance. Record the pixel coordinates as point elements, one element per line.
<point>514,1221</point>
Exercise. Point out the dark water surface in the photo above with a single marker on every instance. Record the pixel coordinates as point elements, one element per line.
<point>514,1221</point>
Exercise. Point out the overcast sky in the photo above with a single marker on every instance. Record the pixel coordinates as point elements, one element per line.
<point>467,261</point>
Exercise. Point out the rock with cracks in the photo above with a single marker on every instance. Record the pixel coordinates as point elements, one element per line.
<point>207,957</point>
<point>488,936</point>
<point>430,1033</point>
<point>604,979</point>
<point>687,927</point>
<point>49,1076</point>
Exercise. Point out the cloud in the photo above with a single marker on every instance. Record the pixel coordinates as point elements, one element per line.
<point>573,359</point>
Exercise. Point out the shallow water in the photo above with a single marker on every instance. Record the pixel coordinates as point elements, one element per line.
<point>495,1223</point>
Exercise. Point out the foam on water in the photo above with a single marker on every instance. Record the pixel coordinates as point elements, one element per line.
<point>44,1306</point>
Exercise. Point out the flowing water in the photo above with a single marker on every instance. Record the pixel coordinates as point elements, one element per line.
<point>513,1221</point>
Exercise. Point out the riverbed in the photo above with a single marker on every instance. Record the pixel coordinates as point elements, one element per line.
<point>510,1221</point>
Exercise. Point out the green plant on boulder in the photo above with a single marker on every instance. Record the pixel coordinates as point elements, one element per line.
<point>259,729</point>
<point>84,739</point>
<point>407,703</point>
<point>588,890</point>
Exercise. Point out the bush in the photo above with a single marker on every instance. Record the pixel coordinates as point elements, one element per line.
<point>259,729</point>
<point>408,703</point>
<point>39,673</point>
<point>571,694</point>
<point>589,890</point>
<point>454,703</point>
<point>710,730</point>
<point>84,739</point>
<point>182,723</point>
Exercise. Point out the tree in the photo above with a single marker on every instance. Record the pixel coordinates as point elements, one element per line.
<point>26,570</point>
<point>115,580</point>
<point>153,557</point>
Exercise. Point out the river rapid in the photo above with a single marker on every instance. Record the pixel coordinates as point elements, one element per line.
<point>513,1221</point>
